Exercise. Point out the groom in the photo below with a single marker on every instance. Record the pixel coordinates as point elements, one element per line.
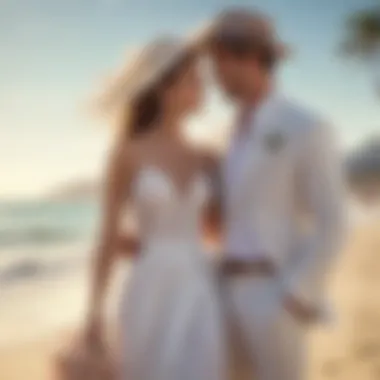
<point>283,201</point>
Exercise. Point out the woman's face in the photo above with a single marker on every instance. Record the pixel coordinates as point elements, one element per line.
<point>186,93</point>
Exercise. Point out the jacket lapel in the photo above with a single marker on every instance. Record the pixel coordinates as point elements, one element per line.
<point>251,165</point>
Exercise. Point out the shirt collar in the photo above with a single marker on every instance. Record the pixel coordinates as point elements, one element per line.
<point>245,119</point>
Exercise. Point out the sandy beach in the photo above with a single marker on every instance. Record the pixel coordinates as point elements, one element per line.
<point>346,348</point>
<point>31,360</point>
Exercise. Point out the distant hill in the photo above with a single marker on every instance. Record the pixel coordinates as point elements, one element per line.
<point>76,190</point>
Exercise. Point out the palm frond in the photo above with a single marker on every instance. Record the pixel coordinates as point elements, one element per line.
<point>362,34</point>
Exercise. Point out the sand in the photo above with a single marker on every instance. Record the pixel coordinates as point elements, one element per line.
<point>30,360</point>
<point>347,350</point>
<point>351,349</point>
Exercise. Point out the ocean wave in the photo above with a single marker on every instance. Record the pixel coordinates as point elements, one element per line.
<point>36,235</point>
<point>33,268</point>
<point>22,270</point>
<point>41,223</point>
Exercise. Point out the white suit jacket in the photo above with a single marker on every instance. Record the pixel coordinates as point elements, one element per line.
<point>288,196</point>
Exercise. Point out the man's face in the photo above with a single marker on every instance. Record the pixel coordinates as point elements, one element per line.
<point>236,75</point>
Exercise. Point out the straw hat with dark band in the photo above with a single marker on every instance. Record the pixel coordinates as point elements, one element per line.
<point>242,31</point>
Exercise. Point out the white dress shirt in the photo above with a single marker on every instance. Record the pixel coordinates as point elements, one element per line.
<point>241,237</point>
<point>239,234</point>
<point>285,170</point>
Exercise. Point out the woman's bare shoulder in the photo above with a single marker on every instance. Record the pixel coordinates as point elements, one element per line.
<point>124,156</point>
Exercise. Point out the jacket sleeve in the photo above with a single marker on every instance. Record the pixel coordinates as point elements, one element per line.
<point>320,181</point>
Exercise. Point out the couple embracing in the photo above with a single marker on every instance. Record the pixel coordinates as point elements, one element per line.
<point>183,317</point>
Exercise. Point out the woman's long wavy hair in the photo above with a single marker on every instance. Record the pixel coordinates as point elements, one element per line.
<point>143,114</point>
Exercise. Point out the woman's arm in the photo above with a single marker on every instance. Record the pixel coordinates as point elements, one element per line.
<point>213,216</point>
<point>117,182</point>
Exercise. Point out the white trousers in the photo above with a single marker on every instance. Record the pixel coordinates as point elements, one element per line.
<point>269,343</point>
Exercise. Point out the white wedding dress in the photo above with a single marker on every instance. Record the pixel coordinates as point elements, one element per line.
<point>171,321</point>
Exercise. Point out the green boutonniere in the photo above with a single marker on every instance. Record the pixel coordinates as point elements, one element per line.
<point>274,141</point>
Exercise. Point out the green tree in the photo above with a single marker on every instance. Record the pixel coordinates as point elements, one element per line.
<point>362,39</point>
<point>361,42</point>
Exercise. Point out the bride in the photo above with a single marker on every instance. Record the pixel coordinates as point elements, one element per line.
<point>170,326</point>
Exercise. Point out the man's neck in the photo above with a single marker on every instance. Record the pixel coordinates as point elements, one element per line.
<point>251,103</point>
<point>257,94</point>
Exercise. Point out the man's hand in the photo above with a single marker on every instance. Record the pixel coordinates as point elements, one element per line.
<point>301,312</point>
<point>94,334</point>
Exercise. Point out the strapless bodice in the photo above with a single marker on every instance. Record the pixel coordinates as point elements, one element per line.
<point>167,215</point>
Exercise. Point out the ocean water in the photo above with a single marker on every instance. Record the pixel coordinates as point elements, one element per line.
<point>44,222</point>
<point>39,224</point>
<point>45,249</point>
<point>36,235</point>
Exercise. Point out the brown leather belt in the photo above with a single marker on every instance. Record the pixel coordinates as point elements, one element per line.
<point>260,267</point>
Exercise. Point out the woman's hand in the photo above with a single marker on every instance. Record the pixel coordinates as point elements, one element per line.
<point>304,314</point>
<point>94,334</point>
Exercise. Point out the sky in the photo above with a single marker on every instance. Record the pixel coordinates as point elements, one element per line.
<point>54,54</point>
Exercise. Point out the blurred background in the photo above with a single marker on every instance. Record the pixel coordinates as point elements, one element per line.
<point>55,54</point>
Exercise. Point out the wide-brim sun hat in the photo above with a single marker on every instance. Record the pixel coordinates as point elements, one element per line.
<point>144,70</point>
